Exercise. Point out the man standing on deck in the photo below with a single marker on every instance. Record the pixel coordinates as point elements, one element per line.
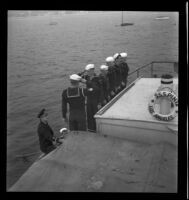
<point>125,68</point>
<point>104,83</point>
<point>111,76</point>
<point>94,96</point>
<point>45,133</point>
<point>75,97</point>
<point>117,62</point>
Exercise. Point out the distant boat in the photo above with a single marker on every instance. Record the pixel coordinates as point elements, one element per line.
<point>162,17</point>
<point>53,23</point>
<point>125,24</point>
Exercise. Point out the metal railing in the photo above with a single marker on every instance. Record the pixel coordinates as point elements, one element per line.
<point>151,67</point>
<point>132,82</point>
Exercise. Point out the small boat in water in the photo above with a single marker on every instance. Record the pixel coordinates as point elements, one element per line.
<point>162,17</point>
<point>132,151</point>
<point>125,24</point>
<point>53,23</point>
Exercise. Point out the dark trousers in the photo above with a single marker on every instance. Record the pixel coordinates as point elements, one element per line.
<point>91,111</point>
<point>77,121</point>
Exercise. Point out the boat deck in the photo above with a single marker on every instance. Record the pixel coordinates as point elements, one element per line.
<point>134,103</point>
<point>128,116</point>
<point>90,162</point>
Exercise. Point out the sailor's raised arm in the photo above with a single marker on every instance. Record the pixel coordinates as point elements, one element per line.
<point>82,74</point>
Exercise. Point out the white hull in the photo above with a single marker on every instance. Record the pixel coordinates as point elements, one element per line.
<point>130,119</point>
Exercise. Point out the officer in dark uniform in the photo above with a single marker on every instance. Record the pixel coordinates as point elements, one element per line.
<point>125,68</point>
<point>45,133</point>
<point>104,84</point>
<point>111,76</point>
<point>94,95</point>
<point>75,96</point>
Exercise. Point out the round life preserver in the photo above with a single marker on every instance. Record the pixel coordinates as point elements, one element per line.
<point>174,102</point>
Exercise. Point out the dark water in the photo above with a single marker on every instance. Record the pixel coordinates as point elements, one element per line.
<point>41,58</point>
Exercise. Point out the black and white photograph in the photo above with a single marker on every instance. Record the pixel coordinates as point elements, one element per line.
<point>92,101</point>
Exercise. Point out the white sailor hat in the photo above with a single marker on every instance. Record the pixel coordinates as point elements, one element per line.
<point>123,55</point>
<point>110,59</point>
<point>75,77</point>
<point>104,67</point>
<point>115,55</point>
<point>89,66</point>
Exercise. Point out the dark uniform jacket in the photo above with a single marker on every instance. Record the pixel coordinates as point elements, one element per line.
<point>125,70</point>
<point>96,94</point>
<point>112,78</point>
<point>94,98</point>
<point>118,75</point>
<point>104,81</point>
<point>75,97</point>
<point>45,134</point>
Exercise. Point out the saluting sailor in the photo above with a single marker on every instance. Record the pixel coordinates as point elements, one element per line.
<point>74,95</point>
<point>125,68</point>
<point>94,96</point>
<point>111,76</point>
<point>104,83</point>
<point>117,61</point>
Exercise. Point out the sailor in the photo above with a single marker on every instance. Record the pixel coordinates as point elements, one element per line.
<point>45,133</point>
<point>104,83</point>
<point>117,62</point>
<point>94,95</point>
<point>75,96</point>
<point>111,76</point>
<point>125,68</point>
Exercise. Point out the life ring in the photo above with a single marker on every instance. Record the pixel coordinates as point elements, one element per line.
<point>174,101</point>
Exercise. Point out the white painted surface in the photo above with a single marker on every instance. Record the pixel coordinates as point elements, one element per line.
<point>133,104</point>
<point>130,119</point>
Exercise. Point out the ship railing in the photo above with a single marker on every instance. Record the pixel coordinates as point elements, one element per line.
<point>154,69</point>
<point>151,70</point>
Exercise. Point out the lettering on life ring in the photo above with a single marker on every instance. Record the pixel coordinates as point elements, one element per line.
<point>174,102</point>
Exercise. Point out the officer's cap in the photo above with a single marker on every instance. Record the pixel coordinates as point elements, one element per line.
<point>41,113</point>
<point>75,77</point>
<point>104,67</point>
<point>110,59</point>
<point>89,66</point>
<point>123,55</point>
